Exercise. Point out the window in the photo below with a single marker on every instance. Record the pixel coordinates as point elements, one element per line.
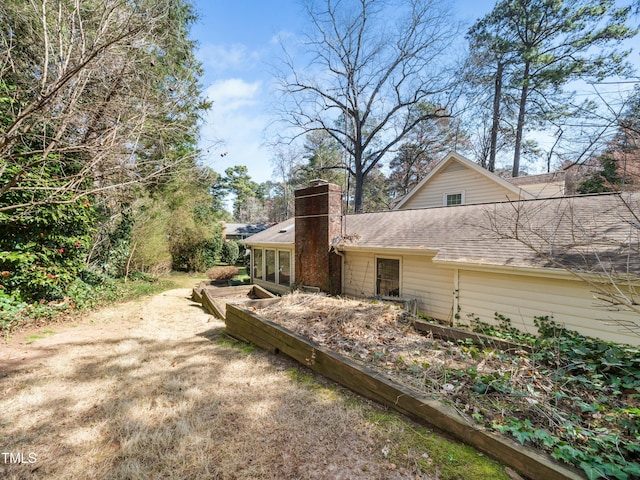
<point>270,265</point>
<point>284,268</point>
<point>257,263</point>
<point>453,199</point>
<point>388,277</point>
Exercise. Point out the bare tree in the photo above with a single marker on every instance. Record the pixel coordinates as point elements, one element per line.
<point>594,238</point>
<point>93,97</point>
<point>426,145</point>
<point>286,165</point>
<point>372,63</point>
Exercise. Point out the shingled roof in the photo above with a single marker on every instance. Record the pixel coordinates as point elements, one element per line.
<point>586,233</point>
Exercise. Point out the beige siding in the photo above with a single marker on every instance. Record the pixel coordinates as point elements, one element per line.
<point>521,298</point>
<point>420,279</point>
<point>454,179</point>
<point>545,190</point>
<point>359,274</point>
<point>518,297</point>
<point>430,284</point>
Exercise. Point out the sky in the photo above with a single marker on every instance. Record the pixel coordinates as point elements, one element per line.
<point>237,41</point>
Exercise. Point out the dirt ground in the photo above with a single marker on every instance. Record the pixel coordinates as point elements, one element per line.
<point>153,389</point>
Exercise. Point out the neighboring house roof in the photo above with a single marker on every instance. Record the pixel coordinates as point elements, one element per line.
<point>245,229</point>
<point>464,163</point>
<point>586,233</point>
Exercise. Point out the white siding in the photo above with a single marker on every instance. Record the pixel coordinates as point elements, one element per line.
<point>521,298</point>
<point>453,179</point>
<point>518,297</point>
<point>431,285</point>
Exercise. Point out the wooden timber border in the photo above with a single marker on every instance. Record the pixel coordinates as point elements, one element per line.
<point>214,299</point>
<point>455,334</point>
<point>248,326</point>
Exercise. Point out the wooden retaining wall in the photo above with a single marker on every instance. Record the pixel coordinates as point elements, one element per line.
<point>455,334</point>
<point>214,299</point>
<point>245,325</point>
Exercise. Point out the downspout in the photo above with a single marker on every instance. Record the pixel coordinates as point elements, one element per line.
<point>456,296</point>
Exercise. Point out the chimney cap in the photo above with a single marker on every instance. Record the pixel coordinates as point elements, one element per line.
<point>318,181</point>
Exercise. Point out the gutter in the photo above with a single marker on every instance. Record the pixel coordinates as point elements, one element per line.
<point>406,250</point>
<point>544,272</point>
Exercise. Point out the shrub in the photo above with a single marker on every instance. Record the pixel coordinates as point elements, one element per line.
<point>243,258</point>
<point>230,252</point>
<point>222,273</point>
<point>42,250</point>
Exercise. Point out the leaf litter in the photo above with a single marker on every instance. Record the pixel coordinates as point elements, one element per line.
<point>571,416</point>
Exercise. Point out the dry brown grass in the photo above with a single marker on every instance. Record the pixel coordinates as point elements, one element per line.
<point>378,335</point>
<point>148,390</point>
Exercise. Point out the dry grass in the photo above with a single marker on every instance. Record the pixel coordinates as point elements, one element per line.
<point>146,390</point>
<point>154,389</point>
<point>346,325</point>
<point>378,335</point>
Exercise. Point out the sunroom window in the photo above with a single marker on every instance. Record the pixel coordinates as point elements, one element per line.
<point>257,263</point>
<point>270,265</point>
<point>284,268</point>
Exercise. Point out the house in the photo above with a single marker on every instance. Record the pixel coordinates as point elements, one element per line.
<point>520,256</point>
<point>240,231</point>
<point>456,180</point>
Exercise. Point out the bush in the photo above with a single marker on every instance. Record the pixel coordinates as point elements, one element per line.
<point>207,253</point>
<point>42,250</point>
<point>222,273</point>
<point>230,253</point>
<point>243,257</point>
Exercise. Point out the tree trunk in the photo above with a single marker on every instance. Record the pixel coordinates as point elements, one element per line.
<point>358,199</point>
<point>495,126</point>
<point>521,114</point>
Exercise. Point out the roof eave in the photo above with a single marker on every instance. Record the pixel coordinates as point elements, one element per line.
<point>387,249</point>
<point>547,272</point>
<point>268,244</point>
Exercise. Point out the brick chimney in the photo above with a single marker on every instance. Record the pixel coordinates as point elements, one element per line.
<point>318,218</point>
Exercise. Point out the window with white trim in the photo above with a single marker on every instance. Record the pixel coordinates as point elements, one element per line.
<point>453,199</point>
<point>284,268</point>
<point>257,263</point>
<point>388,277</point>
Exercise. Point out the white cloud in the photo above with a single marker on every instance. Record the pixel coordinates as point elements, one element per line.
<point>220,58</point>
<point>233,93</point>
<point>281,36</point>
<point>238,119</point>
<point>227,58</point>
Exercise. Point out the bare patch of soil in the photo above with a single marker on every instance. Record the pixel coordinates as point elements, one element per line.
<point>151,389</point>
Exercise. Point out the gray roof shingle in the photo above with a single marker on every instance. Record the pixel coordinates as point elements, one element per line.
<point>586,233</point>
